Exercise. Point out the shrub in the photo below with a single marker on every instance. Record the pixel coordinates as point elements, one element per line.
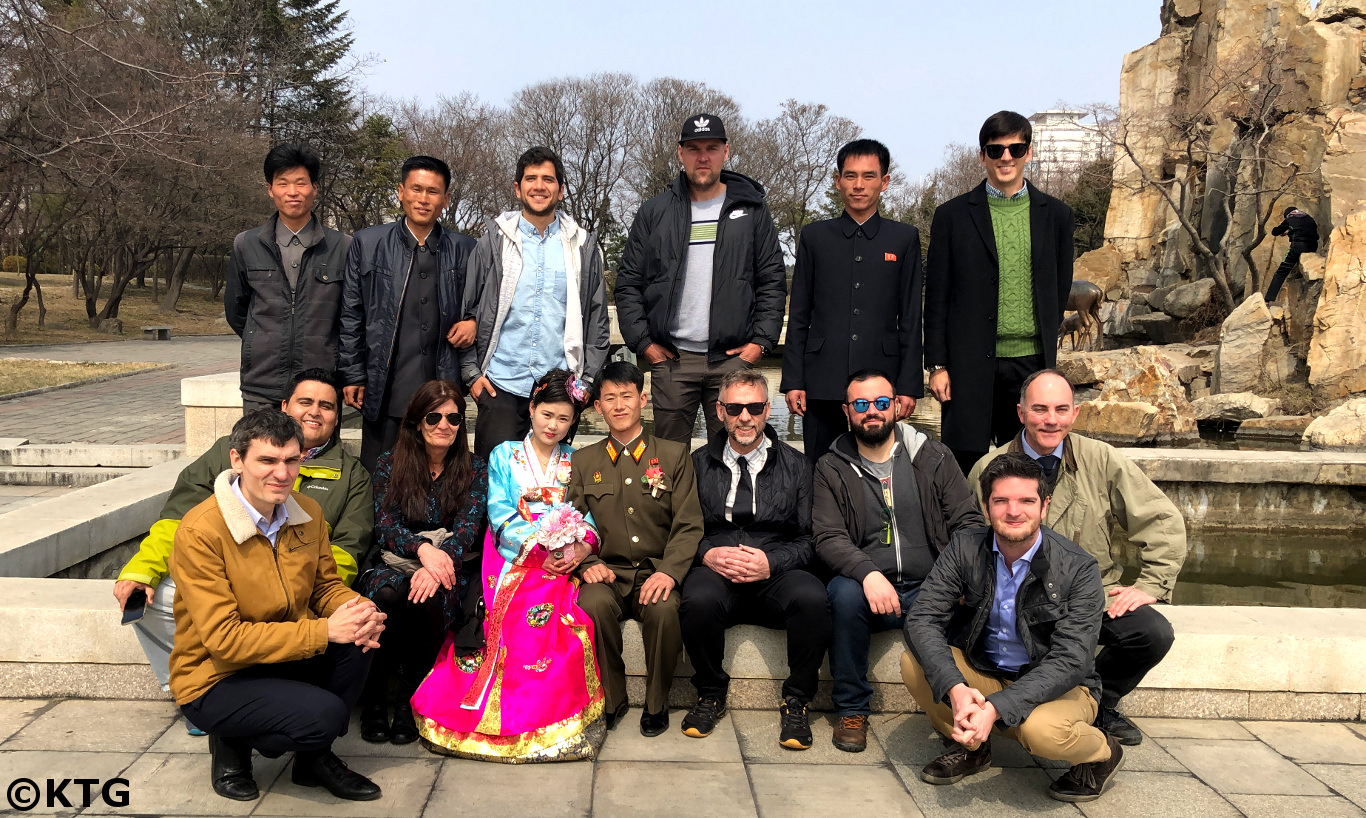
<point>13,264</point>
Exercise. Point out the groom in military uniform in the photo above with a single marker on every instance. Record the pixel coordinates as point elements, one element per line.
<point>642,494</point>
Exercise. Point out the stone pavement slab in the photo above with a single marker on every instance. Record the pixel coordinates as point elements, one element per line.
<point>1149,757</point>
<point>406,783</point>
<point>627,744</point>
<point>1279,806</point>
<point>1243,767</point>
<point>1193,728</point>
<point>1167,794</point>
<point>177,740</point>
<point>1001,792</point>
<point>1346,780</point>
<point>15,714</point>
<point>682,789</point>
<point>101,726</point>
<point>39,766</point>
<point>758,733</point>
<point>477,788</point>
<point>165,784</point>
<point>1311,743</point>
<point>831,789</point>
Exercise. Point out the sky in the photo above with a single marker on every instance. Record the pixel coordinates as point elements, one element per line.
<point>915,75</point>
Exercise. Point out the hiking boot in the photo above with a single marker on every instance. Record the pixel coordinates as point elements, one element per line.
<point>1087,782</point>
<point>851,734</point>
<point>795,733</point>
<point>956,764</point>
<point>703,716</point>
<point>1114,724</point>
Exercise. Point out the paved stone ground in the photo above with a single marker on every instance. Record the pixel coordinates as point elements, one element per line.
<point>12,497</point>
<point>1184,767</point>
<point>136,409</point>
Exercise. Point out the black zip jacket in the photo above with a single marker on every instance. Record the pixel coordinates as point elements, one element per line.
<point>782,504</point>
<point>1058,611</point>
<point>283,330</point>
<point>847,509</point>
<point>749,281</point>
<point>1303,230</point>
<point>377,270</point>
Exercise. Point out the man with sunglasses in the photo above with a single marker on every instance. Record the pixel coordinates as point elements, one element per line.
<point>755,493</point>
<point>886,500</point>
<point>855,302</point>
<point>997,278</point>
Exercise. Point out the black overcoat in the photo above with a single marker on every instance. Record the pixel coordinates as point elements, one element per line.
<point>855,304</point>
<point>962,275</point>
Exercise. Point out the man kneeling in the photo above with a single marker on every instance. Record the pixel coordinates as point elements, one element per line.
<point>270,645</point>
<point>1003,634</point>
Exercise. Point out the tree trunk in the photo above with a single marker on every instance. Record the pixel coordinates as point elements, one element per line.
<point>12,319</point>
<point>179,271</point>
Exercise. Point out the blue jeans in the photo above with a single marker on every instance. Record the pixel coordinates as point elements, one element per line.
<point>854,625</point>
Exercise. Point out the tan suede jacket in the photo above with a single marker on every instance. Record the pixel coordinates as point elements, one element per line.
<point>1097,485</point>
<point>239,602</point>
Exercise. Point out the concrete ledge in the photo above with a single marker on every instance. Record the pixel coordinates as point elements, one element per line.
<point>143,456</point>
<point>52,535</point>
<point>62,637</point>
<point>1255,467</point>
<point>213,403</point>
<point>73,476</point>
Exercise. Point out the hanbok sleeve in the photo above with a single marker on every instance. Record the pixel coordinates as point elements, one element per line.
<point>510,530</point>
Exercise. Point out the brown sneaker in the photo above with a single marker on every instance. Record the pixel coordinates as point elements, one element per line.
<point>956,764</point>
<point>1087,782</point>
<point>851,733</point>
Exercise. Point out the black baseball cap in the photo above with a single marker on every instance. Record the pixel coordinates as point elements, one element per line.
<point>703,126</point>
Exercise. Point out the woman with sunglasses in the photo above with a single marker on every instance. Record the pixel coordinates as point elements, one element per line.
<point>429,517</point>
<point>532,694</point>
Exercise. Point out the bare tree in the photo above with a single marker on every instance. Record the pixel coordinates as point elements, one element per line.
<point>471,136</point>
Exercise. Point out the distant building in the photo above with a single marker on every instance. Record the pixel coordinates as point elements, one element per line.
<point>1063,144</point>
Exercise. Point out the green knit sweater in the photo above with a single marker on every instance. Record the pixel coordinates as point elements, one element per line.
<point>1017,327</point>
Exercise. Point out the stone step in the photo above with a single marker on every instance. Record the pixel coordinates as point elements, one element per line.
<point>18,452</point>
<point>69,476</point>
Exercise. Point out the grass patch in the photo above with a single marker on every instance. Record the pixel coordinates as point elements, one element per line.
<point>22,375</point>
<point>196,313</point>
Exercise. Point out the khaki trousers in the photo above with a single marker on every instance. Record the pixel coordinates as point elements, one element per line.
<point>1061,729</point>
<point>607,604</point>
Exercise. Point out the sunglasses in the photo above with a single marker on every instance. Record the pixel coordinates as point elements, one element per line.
<point>433,418</point>
<point>734,409</point>
<point>861,405</point>
<point>1017,150</point>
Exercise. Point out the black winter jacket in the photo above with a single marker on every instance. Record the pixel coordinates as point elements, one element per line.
<point>1059,609</point>
<point>847,508</point>
<point>749,281</point>
<point>377,270</point>
<point>1303,230</point>
<point>284,331</point>
<point>782,504</point>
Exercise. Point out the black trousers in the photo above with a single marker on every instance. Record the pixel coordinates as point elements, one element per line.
<point>412,637</point>
<point>794,601</point>
<point>300,706</point>
<point>502,418</point>
<point>1131,645</point>
<point>376,438</point>
<point>1292,259</point>
<point>823,422</point>
<point>1005,397</point>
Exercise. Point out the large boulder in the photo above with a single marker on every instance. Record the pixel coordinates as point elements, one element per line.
<point>1275,429</point>
<point>1187,299</point>
<point>1233,407</point>
<point>1115,318</point>
<point>1337,352</point>
<point>1253,355</point>
<point>1140,375</point>
<point>1342,428</point>
<point>1102,267</point>
<point>1333,11</point>
<point>1344,169</point>
<point>1120,423</point>
<point>1335,53</point>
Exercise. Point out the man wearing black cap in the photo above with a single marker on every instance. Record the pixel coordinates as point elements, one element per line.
<point>1304,238</point>
<point>702,287</point>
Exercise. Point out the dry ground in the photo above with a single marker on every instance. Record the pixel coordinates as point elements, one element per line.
<point>66,319</point>
<point>22,375</point>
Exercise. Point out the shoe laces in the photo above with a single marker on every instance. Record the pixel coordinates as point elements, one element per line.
<point>793,714</point>
<point>854,722</point>
<point>706,708</point>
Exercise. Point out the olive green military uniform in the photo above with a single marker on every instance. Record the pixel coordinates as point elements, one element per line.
<point>645,526</point>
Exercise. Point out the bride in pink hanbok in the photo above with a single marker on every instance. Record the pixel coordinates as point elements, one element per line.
<point>532,693</point>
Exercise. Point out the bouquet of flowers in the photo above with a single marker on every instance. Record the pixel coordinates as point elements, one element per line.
<point>561,528</point>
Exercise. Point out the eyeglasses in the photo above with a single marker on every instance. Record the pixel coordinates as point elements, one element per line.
<point>734,409</point>
<point>1017,150</point>
<point>861,405</point>
<point>433,418</point>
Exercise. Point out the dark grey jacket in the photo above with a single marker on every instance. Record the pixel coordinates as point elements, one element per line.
<point>483,302</point>
<point>749,281</point>
<point>283,331</point>
<point>1058,611</point>
<point>377,270</point>
<point>782,503</point>
<point>847,511</point>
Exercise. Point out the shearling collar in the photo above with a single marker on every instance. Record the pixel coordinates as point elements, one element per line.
<point>236,517</point>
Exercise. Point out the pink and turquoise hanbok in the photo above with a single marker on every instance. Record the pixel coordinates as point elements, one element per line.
<point>532,693</point>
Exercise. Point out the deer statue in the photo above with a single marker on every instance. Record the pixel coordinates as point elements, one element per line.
<point>1085,298</point>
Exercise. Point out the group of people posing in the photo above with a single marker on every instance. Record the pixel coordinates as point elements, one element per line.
<point>472,595</point>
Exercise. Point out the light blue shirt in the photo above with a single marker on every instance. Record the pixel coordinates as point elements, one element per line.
<point>1033,455</point>
<point>531,341</point>
<point>1002,642</point>
<point>269,528</point>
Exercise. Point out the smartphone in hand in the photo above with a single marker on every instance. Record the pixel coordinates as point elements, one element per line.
<point>134,607</point>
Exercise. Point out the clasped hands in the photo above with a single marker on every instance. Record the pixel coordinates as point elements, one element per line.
<point>973,716</point>
<point>357,621</point>
<point>737,563</point>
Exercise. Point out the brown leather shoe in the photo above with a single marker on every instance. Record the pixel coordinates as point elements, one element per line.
<point>851,733</point>
<point>956,764</point>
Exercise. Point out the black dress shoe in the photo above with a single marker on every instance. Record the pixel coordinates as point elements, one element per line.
<point>231,769</point>
<point>405,729</point>
<point>374,723</point>
<point>1114,724</point>
<point>652,724</point>
<point>326,770</point>
<point>614,717</point>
